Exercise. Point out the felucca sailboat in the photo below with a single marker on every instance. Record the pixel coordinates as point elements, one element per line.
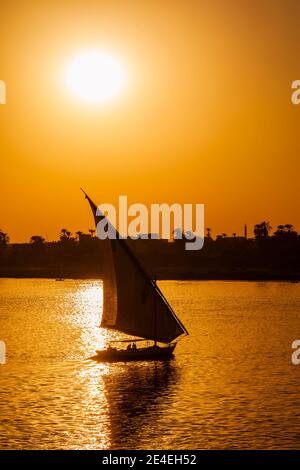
<point>133,304</point>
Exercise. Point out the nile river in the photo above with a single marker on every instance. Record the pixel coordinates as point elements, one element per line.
<point>231,383</point>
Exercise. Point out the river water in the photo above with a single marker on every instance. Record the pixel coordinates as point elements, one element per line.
<point>231,383</point>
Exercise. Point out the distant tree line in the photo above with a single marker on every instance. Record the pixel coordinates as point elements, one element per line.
<point>268,254</point>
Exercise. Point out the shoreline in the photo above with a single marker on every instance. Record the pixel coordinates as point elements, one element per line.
<point>163,275</point>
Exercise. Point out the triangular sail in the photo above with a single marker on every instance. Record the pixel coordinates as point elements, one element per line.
<point>133,303</point>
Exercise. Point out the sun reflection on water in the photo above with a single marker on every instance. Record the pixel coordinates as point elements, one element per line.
<point>95,406</point>
<point>88,305</point>
<point>88,310</point>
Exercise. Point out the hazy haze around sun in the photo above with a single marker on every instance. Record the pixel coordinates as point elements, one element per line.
<point>94,76</point>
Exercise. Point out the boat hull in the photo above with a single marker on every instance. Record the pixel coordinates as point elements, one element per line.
<point>153,353</point>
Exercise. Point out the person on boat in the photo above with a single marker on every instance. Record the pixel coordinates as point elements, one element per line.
<point>129,347</point>
<point>133,346</point>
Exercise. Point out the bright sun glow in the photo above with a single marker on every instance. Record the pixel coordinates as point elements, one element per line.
<point>95,76</point>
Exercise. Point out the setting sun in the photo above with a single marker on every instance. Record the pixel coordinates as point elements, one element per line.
<point>95,76</point>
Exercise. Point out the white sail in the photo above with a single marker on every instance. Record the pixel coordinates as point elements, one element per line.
<point>133,304</point>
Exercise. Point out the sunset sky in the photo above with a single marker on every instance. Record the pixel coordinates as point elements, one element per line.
<point>204,115</point>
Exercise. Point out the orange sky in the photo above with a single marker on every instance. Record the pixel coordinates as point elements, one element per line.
<point>206,115</point>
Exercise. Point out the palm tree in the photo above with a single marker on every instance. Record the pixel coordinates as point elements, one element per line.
<point>37,240</point>
<point>63,233</point>
<point>79,234</point>
<point>4,238</point>
<point>280,228</point>
<point>208,232</point>
<point>261,231</point>
<point>289,228</point>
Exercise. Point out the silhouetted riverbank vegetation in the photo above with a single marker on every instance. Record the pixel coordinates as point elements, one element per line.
<point>269,254</point>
